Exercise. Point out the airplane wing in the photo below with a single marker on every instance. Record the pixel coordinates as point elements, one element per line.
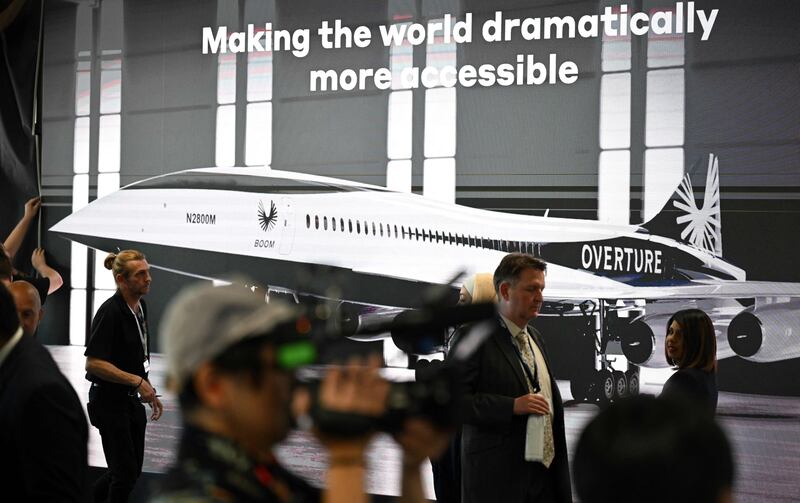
<point>698,289</point>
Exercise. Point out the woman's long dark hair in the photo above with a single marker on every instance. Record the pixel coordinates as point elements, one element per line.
<point>699,340</point>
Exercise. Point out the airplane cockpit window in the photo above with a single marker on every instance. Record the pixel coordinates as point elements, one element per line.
<point>316,221</point>
<point>308,221</point>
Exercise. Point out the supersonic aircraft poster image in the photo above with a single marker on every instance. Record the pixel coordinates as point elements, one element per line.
<point>648,151</point>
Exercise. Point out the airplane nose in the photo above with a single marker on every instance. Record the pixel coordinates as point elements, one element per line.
<point>92,225</point>
<point>87,221</point>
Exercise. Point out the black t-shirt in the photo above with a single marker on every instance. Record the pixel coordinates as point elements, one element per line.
<point>42,285</point>
<point>116,338</point>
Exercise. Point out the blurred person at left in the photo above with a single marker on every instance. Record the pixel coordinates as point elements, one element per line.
<point>43,431</point>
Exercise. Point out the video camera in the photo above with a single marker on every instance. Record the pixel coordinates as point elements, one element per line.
<point>434,395</point>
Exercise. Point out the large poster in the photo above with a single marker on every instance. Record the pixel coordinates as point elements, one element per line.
<point>647,151</point>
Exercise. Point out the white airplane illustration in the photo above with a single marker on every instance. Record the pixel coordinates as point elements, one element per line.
<point>386,246</point>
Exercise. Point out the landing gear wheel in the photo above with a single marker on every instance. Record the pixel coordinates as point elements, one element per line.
<point>620,384</point>
<point>605,386</point>
<point>633,382</point>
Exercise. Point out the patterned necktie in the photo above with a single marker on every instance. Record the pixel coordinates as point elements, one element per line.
<point>523,344</point>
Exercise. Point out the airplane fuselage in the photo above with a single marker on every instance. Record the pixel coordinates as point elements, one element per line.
<point>290,218</point>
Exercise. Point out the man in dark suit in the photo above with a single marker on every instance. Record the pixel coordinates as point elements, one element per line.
<point>506,381</point>
<point>43,432</point>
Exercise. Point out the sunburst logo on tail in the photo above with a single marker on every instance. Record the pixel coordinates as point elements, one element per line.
<point>702,225</point>
<point>266,221</point>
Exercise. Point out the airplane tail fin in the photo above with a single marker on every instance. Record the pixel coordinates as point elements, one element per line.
<point>684,217</point>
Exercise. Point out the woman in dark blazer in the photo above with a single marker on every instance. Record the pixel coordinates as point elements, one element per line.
<point>691,346</point>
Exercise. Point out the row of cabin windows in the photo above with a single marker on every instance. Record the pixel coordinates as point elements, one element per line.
<point>415,233</point>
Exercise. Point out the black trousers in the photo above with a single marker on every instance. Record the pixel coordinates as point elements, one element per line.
<point>121,420</point>
<point>543,489</point>
<point>447,472</point>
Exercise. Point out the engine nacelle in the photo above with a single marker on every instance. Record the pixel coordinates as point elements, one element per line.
<point>767,332</point>
<point>642,341</point>
<point>363,322</point>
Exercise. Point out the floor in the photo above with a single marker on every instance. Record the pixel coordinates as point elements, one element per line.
<point>764,430</point>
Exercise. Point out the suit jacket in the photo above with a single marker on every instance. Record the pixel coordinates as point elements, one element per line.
<point>43,431</point>
<point>493,438</point>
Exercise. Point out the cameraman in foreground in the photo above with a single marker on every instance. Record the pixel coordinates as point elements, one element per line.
<point>231,361</point>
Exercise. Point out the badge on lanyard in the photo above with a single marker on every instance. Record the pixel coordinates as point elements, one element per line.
<point>141,325</point>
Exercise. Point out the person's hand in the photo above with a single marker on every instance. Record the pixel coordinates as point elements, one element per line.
<point>37,259</point>
<point>146,391</point>
<point>32,207</point>
<point>157,408</point>
<point>421,440</point>
<point>355,388</point>
<point>531,404</point>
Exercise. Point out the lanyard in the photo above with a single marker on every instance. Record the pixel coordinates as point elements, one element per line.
<point>141,325</point>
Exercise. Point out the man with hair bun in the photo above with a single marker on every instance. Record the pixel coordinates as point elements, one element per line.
<point>117,364</point>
